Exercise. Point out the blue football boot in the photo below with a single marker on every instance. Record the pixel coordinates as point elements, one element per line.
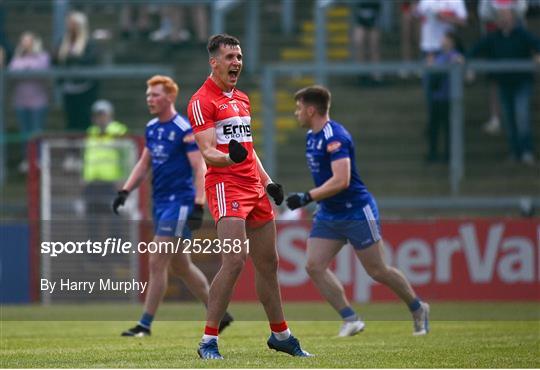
<point>209,350</point>
<point>290,346</point>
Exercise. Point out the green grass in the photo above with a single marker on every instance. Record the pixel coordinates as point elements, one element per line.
<point>480,335</point>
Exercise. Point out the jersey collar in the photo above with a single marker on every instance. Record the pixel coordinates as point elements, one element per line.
<point>170,120</point>
<point>321,130</point>
<point>215,88</point>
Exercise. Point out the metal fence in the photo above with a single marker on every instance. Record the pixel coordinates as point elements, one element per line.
<point>322,69</point>
<point>102,72</point>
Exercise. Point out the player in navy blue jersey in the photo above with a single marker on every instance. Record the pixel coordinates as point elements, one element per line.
<point>178,196</point>
<point>346,211</point>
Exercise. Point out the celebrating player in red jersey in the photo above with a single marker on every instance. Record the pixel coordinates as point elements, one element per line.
<point>235,184</point>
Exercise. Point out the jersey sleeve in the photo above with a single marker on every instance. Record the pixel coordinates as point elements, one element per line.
<point>200,114</point>
<point>338,146</point>
<point>189,141</point>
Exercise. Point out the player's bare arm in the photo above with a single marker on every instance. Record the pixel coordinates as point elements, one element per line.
<point>275,190</point>
<point>139,172</point>
<point>207,142</point>
<point>340,180</point>
<point>265,178</point>
<point>137,175</point>
<point>199,170</point>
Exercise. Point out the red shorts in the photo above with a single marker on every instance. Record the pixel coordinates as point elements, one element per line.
<point>231,200</point>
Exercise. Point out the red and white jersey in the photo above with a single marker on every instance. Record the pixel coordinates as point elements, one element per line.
<point>433,28</point>
<point>230,115</point>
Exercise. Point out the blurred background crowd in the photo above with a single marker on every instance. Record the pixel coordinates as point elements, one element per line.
<point>401,119</point>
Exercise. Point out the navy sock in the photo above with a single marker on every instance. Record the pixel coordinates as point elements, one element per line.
<point>348,314</point>
<point>414,305</point>
<point>146,320</point>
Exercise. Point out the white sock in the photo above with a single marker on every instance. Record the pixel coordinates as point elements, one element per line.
<point>144,326</point>
<point>282,335</point>
<point>351,318</point>
<point>207,338</point>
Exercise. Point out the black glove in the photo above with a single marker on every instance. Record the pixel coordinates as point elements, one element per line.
<point>237,152</point>
<point>276,192</point>
<point>195,219</point>
<point>297,200</point>
<point>119,200</point>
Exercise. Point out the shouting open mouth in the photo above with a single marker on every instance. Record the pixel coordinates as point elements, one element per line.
<point>233,75</point>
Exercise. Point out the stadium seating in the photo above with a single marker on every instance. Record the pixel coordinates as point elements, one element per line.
<point>387,122</point>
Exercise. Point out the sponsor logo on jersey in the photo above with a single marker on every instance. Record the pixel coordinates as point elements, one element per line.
<point>235,127</point>
<point>314,166</point>
<point>234,131</point>
<point>172,135</point>
<point>223,106</point>
<point>159,155</point>
<point>333,146</point>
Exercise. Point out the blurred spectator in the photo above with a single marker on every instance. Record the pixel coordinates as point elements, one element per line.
<point>104,158</point>
<point>6,49</point>
<point>487,12</point>
<point>134,20</point>
<point>512,41</point>
<point>409,31</point>
<point>439,17</point>
<point>30,96</point>
<point>488,9</point>
<point>366,20</point>
<point>77,50</point>
<point>173,28</point>
<point>439,100</point>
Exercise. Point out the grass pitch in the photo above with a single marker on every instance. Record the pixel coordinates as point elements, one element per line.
<point>482,335</point>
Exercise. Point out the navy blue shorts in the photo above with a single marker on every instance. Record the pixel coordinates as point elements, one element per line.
<point>360,227</point>
<point>170,219</point>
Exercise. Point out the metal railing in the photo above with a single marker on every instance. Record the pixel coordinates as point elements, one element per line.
<point>101,72</point>
<point>322,70</point>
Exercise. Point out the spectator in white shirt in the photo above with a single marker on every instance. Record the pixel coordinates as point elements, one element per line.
<point>438,18</point>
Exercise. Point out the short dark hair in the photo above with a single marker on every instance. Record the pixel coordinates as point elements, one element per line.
<point>316,95</point>
<point>215,41</point>
<point>458,43</point>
